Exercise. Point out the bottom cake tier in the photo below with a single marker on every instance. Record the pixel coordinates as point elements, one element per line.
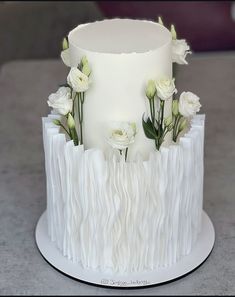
<point>108,214</point>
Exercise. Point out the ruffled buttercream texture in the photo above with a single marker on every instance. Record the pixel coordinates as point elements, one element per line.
<point>120,216</point>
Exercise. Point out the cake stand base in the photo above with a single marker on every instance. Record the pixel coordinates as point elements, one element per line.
<point>185,265</point>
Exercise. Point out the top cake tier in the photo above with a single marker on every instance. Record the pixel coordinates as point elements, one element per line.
<point>119,36</point>
<point>124,54</point>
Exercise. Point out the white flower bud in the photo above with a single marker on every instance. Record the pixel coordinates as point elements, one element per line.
<point>84,60</point>
<point>168,121</point>
<point>86,69</point>
<point>183,125</point>
<point>150,89</point>
<point>65,44</point>
<point>70,121</point>
<point>56,122</point>
<point>160,22</point>
<point>175,107</point>
<point>173,32</point>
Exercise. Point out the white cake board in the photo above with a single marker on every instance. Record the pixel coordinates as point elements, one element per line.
<point>187,264</point>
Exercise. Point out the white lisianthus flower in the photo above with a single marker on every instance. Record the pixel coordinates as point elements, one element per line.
<point>165,88</point>
<point>121,135</point>
<point>180,49</point>
<point>78,80</point>
<point>189,104</point>
<point>65,56</point>
<point>61,101</point>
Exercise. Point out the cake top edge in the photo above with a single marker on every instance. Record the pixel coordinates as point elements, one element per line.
<point>120,36</point>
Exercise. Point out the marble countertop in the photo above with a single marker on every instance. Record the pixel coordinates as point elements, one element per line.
<point>24,88</point>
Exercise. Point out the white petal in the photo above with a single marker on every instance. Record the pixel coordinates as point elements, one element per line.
<point>65,56</point>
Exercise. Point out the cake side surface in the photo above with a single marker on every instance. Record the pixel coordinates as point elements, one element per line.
<point>124,216</point>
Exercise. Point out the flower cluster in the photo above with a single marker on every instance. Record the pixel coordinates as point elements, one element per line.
<point>180,48</point>
<point>156,126</point>
<point>63,101</point>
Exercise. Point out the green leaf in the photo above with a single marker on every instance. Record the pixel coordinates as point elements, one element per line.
<point>149,131</point>
<point>149,122</point>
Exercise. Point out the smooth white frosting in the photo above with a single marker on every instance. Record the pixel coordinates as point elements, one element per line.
<point>124,216</point>
<point>124,54</point>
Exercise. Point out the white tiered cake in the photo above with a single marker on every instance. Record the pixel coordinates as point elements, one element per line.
<point>134,205</point>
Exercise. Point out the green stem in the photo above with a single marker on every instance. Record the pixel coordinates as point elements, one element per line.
<point>126,153</point>
<point>175,131</point>
<point>78,100</point>
<point>174,127</point>
<point>82,101</point>
<point>151,110</point>
<point>73,111</point>
<point>83,97</point>
<point>153,107</point>
<point>165,131</point>
<point>68,132</point>
<point>81,136</point>
<point>161,132</point>
<point>80,114</point>
<point>157,144</point>
<point>158,115</point>
<point>74,136</point>
<point>162,113</point>
<point>158,122</point>
<point>81,121</point>
<point>177,127</point>
<point>177,135</point>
